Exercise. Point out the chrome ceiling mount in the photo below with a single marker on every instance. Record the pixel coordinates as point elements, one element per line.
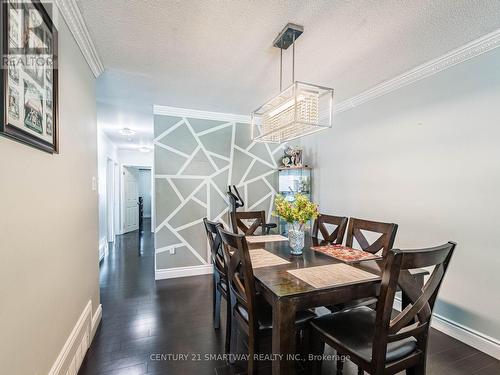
<point>288,36</point>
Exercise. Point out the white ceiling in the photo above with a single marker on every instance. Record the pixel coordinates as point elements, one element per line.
<point>217,55</point>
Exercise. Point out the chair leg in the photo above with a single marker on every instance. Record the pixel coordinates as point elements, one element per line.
<point>214,290</point>
<point>217,309</point>
<point>416,370</point>
<point>228,325</point>
<point>340,364</point>
<point>253,348</point>
<point>234,329</point>
<point>317,348</point>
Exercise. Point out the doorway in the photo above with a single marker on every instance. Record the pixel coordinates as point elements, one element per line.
<point>136,202</point>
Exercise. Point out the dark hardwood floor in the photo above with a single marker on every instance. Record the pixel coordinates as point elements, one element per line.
<point>145,322</point>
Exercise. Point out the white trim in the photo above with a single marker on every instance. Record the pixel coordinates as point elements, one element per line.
<point>200,144</point>
<point>467,335</point>
<point>73,351</point>
<point>260,200</point>
<point>103,249</point>
<point>466,52</point>
<point>76,24</point>
<point>164,249</point>
<point>170,273</point>
<point>214,129</point>
<point>187,225</point>
<point>253,156</point>
<point>188,160</point>
<point>169,130</point>
<point>174,188</point>
<point>171,149</point>
<point>205,115</point>
<point>203,204</point>
<point>186,244</point>
<point>476,339</point>
<point>96,319</point>
<point>219,156</point>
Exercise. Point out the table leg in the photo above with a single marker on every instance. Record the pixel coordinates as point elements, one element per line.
<point>283,337</point>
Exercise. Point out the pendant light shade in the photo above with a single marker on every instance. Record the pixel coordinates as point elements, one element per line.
<point>299,110</point>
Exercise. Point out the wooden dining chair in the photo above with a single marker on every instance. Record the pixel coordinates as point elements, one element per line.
<point>385,242</point>
<point>220,289</point>
<point>250,312</point>
<point>335,237</point>
<point>374,340</point>
<point>259,221</point>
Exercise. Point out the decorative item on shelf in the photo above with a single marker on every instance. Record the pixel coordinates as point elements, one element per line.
<point>296,214</point>
<point>299,110</point>
<point>292,157</point>
<point>28,54</point>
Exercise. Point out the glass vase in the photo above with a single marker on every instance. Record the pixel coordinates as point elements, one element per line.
<point>295,238</point>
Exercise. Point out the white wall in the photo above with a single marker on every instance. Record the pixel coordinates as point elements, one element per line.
<point>427,157</point>
<point>135,158</point>
<point>106,150</point>
<point>48,227</point>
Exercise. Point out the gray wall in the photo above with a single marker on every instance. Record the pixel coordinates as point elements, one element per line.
<point>49,227</point>
<point>428,158</point>
<point>195,160</point>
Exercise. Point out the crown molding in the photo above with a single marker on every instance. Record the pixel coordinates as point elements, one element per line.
<point>73,17</point>
<point>184,112</point>
<point>468,51</point>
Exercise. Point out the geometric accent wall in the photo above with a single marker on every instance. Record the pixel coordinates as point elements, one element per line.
<point>197,155</point>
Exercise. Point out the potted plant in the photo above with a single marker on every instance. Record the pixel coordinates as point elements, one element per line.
<point>296,214</point>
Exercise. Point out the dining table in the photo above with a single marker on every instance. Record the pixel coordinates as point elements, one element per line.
<point>287,293</point>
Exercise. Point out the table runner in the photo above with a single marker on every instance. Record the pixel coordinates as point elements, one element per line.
<point>332,275</point>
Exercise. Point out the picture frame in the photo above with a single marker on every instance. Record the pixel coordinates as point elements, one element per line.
<point>29,74</point>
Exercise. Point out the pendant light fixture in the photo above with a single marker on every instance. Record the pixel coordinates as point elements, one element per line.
<point>298,110</point>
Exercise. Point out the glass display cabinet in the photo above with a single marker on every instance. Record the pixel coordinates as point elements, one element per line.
<point>293,180</point>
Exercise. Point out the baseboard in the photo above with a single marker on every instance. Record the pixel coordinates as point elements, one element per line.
<point>467,335</point>
<point>171,273</point>
<point>103,249</point>
<point>96,319</point>
<point>70,358</point>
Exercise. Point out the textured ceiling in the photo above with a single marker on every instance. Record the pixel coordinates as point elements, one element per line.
<point>217,55</point>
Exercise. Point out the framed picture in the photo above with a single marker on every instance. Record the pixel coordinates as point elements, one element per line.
<point>29,100</point>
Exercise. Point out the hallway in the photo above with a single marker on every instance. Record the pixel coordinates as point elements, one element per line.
<point>143,318</point>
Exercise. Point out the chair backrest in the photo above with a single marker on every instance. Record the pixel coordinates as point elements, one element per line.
<point>414,319</point>
<point>258,217</point>
<point>337,236</point>
<point>240,274</point>
<point>384,242</point>
<point>215,244</point>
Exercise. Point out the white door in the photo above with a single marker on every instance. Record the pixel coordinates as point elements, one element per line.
<point>131,197</point>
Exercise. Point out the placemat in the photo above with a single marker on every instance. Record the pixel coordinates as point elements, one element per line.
<point>266,238</point>
<point>345,254</point>
<point>263,258</point>
<point>332,275</point>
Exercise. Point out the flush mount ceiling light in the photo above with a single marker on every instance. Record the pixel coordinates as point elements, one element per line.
<point>299,110</point>
<point>126,131</point>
